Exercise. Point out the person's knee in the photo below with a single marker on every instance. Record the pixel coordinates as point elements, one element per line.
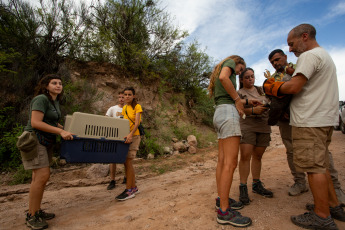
<point>245,157</point>
<point>220,160</point>
<point>257,157</point>
<point>230,166</point>
<point>42,177</point>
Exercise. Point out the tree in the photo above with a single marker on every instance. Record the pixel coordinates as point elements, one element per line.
<point>137,31</point>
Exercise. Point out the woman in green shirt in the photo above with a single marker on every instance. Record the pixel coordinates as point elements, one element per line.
<point>43,120</point>
<point>229,109</point>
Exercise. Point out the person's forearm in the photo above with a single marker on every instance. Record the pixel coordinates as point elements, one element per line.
<point>248,111</point>
<point>136,125</point>
<point>293,86</point>
<point>230,89</point>
<point>40,125</point>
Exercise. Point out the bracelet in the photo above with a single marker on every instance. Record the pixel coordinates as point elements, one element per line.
<point>246,101</point>
<point>237,98</point>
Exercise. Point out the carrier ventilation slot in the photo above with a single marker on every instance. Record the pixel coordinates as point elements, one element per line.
<point>101,131</point>
<point>99,146</point>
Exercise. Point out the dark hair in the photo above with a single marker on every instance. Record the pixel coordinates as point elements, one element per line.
<point>304,28</point>
<point>242,74</point>
<point>121,92</point>
<point>134,102</point>
<point>274,52</point>
<point>41,87</point>
<point>260,91</point>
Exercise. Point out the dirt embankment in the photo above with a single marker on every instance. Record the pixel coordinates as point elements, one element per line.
<point>182,198</point>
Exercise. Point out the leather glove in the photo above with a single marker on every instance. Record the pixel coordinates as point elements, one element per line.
<point>271,87</point>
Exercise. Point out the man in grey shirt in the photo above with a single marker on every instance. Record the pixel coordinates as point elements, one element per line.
<point>313,113</point>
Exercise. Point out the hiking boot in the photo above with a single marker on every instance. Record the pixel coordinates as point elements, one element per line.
<point>46,215</point>
<point>312,221</point>
<point>297,189</point>
<point>341,196</point>
<point>337,212</point>
<point>232,203</point>
<point>124,180</point>
<point>135,190</point>
<point>233,218</point>
<point>259,188</point>
<point>36,222</point>
<point>111,185</point>
<point>244,198</point>
<point>125,195</point>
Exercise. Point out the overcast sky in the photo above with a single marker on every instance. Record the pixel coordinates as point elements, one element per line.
<point>253,28</point>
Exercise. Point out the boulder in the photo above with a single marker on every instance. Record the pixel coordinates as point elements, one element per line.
<point>98,171</point>
<point>192,149</point>
<point>174,139</point>
<point>176,153</point>
<point>185,143</point>
<point>179,146</point>
<point>191,139</point>
<point>150,156</point>
<point>167,150</point>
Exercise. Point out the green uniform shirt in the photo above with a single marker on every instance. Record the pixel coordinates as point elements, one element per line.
<point>220,94</point>
<point>51,113</point>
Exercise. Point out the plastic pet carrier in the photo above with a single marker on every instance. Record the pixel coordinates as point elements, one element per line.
<point>97,139</point>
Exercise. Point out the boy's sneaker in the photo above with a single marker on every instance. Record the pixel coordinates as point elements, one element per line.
<point>124,180</point>
<point>111,185</point>
<point>135,190</point>
<point>337,212</point>
<point>36,222</point>
<point>125,195</point>
<point>232,203</point>
<point>233,218</point>
<point>46,215</point>
<point>244,198</point>
<point>312,221</point>
<point>260,189</point>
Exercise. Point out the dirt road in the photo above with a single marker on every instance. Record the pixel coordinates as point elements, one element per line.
<point>179,199</point>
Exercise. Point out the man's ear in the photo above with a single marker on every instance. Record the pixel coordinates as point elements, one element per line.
<point>305,36</point>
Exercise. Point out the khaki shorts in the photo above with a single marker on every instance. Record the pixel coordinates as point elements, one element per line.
<point>256,139</point>
<point>134,147</point>
<point>43,159</point>
<point>310,148</point>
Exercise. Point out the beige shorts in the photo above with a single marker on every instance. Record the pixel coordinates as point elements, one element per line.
<point>256,139</point>
<point>134,147</point>
<point>310,148</point>
<point>43,159</point>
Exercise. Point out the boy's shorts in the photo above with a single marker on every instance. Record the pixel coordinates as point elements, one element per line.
<point>310,148</point>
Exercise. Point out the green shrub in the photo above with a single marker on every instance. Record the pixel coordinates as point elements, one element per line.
<point>149,145</point>
<point>21,176</point>
<point>78,96</point>
<point>10,130</point>
<point>160,169</point>
<point>203,104</point>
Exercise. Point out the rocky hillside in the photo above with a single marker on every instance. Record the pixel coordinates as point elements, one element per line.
<point>166,114</point>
